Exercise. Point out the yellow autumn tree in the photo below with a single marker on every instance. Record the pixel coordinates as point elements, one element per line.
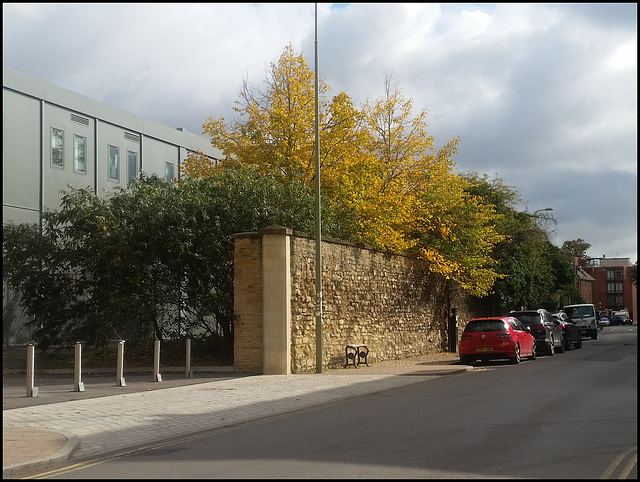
<point>455,231</point>
<point>198,165</point>
<point>380,170</point>
<point>275,131</point>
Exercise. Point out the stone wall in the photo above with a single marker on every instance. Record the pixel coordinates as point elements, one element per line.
<point>391,303</point>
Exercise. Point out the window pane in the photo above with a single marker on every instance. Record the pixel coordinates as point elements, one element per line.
<point>114,166</point>
<point>57,148</point>
<point>168,172</point>
<point>132,166</point>
<point>79,154</point>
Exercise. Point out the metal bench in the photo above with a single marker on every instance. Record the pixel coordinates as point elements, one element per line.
<point>356,353</point>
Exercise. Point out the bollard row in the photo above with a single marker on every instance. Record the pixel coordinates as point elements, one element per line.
<point>78,385</point>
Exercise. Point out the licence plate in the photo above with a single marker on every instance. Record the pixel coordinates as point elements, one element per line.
<point>485,348</point>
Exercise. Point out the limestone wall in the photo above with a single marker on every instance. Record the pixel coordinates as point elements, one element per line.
<point>391,303</point>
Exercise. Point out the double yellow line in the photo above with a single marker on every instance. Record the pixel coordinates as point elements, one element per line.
<point>626,470</point>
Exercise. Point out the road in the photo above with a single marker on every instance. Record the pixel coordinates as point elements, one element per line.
<point>572,415</point>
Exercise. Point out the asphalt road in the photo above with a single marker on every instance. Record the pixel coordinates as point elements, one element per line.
<point>573,415</point>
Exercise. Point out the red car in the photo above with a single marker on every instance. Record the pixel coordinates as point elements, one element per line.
<point>495,338</point>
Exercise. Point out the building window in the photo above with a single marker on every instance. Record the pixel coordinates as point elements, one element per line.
<point>79,154</point>
<point>114,166</point>
<point>614,301</point>
<point>132,166</point>
<point>169,169</point>
<point>57,148</point>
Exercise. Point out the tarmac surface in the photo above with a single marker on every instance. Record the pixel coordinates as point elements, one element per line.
<point>61,423</point>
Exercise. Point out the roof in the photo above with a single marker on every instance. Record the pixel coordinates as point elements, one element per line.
<point>584,276</point>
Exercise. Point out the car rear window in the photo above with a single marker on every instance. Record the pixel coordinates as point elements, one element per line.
<point>487,325</point>
<point>531,319</point>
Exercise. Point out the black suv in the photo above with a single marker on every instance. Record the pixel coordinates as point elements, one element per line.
<point>548,335</point>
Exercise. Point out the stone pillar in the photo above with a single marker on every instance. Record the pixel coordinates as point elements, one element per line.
<point>248,351</point>
<point>276,299</point>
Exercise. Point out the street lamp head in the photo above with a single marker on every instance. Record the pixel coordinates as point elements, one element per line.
<point>546,217</point>
<point>541,210</point>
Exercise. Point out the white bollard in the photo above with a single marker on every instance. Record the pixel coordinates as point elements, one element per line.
<point>31,390</point>
<point>188,372</point>
<point>120,365</point>
<point>156,361</point>
<point>78,386</point>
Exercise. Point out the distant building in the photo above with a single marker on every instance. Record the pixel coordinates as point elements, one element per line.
<point>53,138</point>
<point>608,285</point>
<point>585,284</point>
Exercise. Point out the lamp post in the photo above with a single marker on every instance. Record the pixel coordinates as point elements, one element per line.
<point>319,335</point>
<point>600,274</point>
<point>546,217</point>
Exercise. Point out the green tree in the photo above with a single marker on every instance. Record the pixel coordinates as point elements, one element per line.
<point>576,248</point>
<point>154,260</point>
<point>533,272</point>
<point>35,265</point>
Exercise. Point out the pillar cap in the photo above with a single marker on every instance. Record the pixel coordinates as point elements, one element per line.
<point>275,229</point>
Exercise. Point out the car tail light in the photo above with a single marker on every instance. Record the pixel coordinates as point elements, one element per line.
<point>503,335</point>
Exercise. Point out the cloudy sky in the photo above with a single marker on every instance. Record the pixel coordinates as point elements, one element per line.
<point>543,96</point>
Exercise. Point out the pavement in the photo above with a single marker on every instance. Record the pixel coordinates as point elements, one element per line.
<point>61,423</point>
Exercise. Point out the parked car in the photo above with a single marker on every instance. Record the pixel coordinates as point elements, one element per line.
<point>496,338</point>
<point>548,335</point>
<point>621,318</point>
<point>604,321</point>
<point>570,332</point>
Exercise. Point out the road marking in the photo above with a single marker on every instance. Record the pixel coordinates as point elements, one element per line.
<point>616,462</point>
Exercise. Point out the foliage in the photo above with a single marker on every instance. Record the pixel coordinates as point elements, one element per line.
<point>198,164</point>
<point>534,273</point>
<point>150,261</point>
<point>576,248</point>
<point>277,132</point>
<point>37,266</point>
<point>385,183</point>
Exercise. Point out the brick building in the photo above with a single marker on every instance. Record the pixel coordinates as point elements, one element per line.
<point>607,284</point>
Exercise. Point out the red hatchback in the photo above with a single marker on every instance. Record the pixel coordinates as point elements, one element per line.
<point>494,338</point>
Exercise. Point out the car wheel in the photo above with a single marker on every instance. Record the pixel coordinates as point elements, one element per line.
<point>533,353</point>
<point>551,349</point>
<point>594,335</point>
<point>516,358</point>
<point>567,344</point>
